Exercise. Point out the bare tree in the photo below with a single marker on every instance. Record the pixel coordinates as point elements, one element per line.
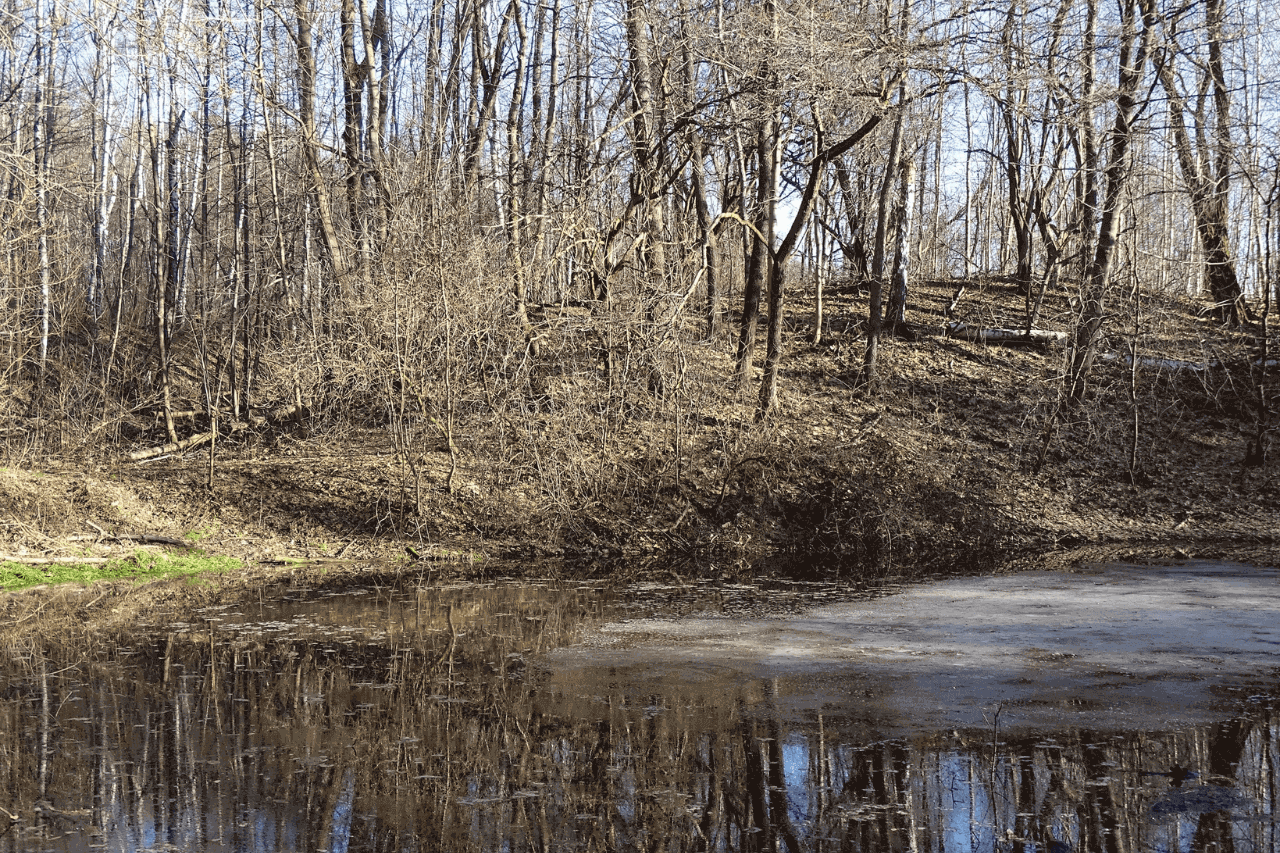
<point>1138,20</point>
<point>1014,104</point>
<point>896,312</point>
<point>761,260</point>
<point>46,41</point>
<point>102,152</point>
<point>1206,163</point>
<point>487,71</point>
<point>319,188</point>
<point>816,168</point>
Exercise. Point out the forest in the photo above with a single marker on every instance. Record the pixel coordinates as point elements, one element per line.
<point>549,251</point>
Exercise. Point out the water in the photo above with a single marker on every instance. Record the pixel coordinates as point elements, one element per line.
<point>1139,714</point>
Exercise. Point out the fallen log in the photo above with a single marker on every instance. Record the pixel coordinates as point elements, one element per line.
<point>175,447</point>
<point>287,412</point>
<point>1177,364</point>
<point>1158,363</point>
<point>960,329</point>
<point>148,538</point>
<point>55,561</point>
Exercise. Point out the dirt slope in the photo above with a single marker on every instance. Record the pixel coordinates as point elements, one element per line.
<point>933,470</point>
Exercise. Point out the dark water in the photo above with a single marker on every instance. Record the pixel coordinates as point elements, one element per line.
<point>426,720</point>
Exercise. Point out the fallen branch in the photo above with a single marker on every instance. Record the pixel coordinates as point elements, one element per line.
<point>55,561</point>
<point>960,329</point>
<point>27,425</point>
<point>437,554</point>
<point>1175,364</point>
<point>175,447</point>
<point>148,538</point>
<point>289,412</point>
<point>1148,361</point>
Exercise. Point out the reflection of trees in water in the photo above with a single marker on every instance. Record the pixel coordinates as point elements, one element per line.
<point>437,737</point>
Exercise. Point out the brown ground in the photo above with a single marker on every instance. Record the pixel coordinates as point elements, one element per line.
<point>933,472</point>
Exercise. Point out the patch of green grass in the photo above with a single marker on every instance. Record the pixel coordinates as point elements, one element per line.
<point>200,533</point>
<point>142,566</point>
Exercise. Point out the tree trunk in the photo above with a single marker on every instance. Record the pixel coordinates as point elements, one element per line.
<point>353,139</point>
<point>819,251</point>
<point>647,180</point>
<point>875,320</point>
<point>879,249</point>
<point>816,175</point>
<point>319,181</point>
<point>173,266</point>
<point>102,152</point>
<point>41,149</point>
<point>1209,193</point>
<point>365,99</point>
<point>759,264</point>
<point>1088,176</point>
<point>1134,49</point>
<point>515,186</point>
<point>896,315</point>
<point>1012,106</point>
<point>708,244</point>
<point>487,70</point>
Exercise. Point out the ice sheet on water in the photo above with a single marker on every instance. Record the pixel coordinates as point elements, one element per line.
<point>1092,647</point>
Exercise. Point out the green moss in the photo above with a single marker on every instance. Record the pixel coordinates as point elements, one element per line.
<point>142,566</point>
<point>201,533</point>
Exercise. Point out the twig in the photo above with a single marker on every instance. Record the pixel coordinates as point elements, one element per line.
<point>32,613</point>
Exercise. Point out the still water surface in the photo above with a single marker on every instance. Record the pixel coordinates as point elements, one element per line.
<point>1119,709</point>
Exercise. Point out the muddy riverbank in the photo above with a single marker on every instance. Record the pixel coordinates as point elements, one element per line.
<point>50,513</point>
<point>945,466</point>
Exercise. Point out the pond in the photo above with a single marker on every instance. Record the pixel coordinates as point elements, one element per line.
<point>1112,709</point>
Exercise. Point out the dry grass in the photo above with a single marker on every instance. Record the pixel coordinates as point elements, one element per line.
<point>658,454</point>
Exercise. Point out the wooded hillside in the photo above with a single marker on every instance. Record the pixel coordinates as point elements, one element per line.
<point>516,236</point>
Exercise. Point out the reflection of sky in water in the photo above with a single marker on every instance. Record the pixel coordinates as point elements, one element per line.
<point>340,837</point>
<point>968,822</point>
<point>795,765</point>
<point>966,812</point>
<point>1176,836</point>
